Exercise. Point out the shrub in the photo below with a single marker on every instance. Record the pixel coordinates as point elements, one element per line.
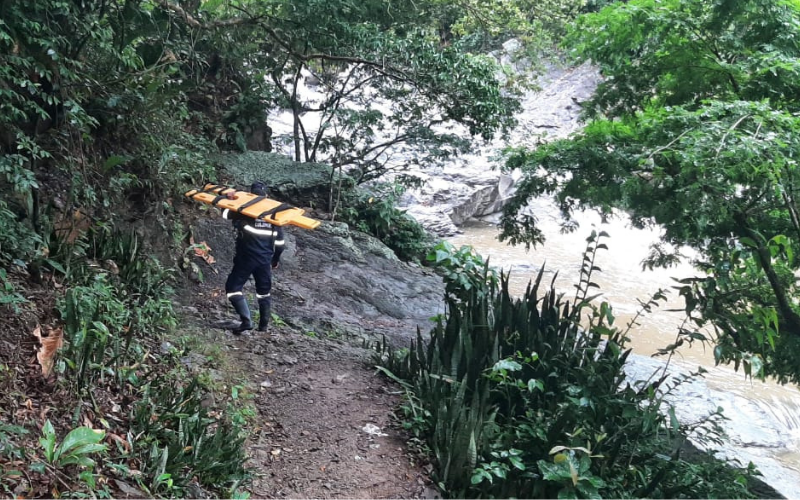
<point>180,440</point>
<point>375,212</point>
<point>518,399</point>
<point>107,310</point>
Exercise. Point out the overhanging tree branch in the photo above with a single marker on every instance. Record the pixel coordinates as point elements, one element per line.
<point>194,23</point>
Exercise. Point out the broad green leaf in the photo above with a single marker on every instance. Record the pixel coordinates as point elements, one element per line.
<point>79,437</point>
<point>48,441</point>
<point>507,365</point>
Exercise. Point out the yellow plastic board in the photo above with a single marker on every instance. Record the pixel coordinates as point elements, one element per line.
<point>253,205</point>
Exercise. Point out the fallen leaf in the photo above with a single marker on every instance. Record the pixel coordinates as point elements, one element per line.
<point>129,490</point>
<point>50,344</point>
<point>119,439</point>
<point>203,251</point>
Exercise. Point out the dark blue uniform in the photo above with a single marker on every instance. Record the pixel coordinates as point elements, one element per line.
<point>259,246</point>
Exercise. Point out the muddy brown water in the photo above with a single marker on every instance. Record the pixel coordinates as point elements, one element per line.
<point>766,429</point>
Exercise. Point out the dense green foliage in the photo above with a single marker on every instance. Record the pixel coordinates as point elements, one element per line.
<point>694,129</point>
<point>109,108</point>
<point>514,398</point>
<point>374,211</point>
<point>97,103</point>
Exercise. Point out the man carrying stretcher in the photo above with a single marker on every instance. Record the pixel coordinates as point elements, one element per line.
<point>259,245</point>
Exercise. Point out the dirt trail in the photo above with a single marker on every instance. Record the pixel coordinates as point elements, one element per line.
<point>326,429</point>
<point>323,427</point>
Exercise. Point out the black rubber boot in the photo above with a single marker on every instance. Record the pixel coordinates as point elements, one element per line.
<point>264,310</point>
<point>239,303</point>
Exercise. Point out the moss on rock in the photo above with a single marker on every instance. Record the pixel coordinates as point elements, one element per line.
<point>305,184</point>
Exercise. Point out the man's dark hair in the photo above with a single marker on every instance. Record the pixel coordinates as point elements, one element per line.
<point>258,188</point>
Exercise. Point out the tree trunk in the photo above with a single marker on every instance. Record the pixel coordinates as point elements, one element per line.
<point>296,115</point>
<point>764,259</point>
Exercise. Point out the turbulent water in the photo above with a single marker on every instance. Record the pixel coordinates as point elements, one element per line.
<point>764,425</point>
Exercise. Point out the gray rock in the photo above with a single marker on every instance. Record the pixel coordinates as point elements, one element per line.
<point>288,360</point>
<point>336,278</point>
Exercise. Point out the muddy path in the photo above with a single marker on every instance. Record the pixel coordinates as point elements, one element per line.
<point>326,424</point>
<point>323,423</point>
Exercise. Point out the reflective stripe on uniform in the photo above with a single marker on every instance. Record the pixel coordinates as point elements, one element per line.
<point>262,296</point>
<point>233,294</point>
<point>280,243</point>
<point>260,232</point>
<point>225,213</point>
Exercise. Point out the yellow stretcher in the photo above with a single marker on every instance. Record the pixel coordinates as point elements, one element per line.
<point>253,205</point>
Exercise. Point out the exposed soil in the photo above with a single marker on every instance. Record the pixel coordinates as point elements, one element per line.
<point>324,424</point>
<point>326,430</point>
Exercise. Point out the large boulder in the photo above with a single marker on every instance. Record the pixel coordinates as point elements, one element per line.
<point>336,279</point>
<point>350,279</point>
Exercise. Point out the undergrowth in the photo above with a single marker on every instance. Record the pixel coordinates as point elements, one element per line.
<point>374,211</point>
<point>527,397</point>
<point>130,414</point>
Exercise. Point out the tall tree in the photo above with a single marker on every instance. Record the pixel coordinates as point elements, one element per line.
<point>695,129</point>
<point>386,82</point>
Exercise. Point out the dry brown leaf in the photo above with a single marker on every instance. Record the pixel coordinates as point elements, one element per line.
<point>203,251</point>
<point>119,439</point>
<point>50,344</point>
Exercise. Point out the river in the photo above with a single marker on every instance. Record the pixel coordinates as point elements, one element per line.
<point>764,425</point>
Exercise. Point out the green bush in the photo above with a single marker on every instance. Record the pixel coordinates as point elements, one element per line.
<point>181,441</point>
<point>17,241</point>
<point>8,293</point>
<point>518,398</point>
<point>375,212</point>
<point>119,298</point>
<point>96,328</point>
